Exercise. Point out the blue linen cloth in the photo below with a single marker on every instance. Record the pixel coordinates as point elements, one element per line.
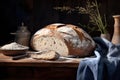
<point>104,65</point>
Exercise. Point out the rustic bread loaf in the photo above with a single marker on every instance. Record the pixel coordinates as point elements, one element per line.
<point>65,39</point>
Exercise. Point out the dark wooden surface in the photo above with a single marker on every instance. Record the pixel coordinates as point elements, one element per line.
<point>31,69</point>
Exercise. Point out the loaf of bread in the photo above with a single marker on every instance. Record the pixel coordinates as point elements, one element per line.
<point>65,39</point>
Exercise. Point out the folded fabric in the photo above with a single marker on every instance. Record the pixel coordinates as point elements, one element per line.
<point>104,65</point>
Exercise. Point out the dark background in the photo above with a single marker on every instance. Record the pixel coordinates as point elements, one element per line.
<point>38,13</point>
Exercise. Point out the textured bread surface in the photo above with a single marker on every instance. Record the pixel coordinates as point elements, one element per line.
<point>65,39</point>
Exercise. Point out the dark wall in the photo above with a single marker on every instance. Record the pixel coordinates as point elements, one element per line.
<point>45,14</point>
<point>8,20</point>
<point>12,14</point>
<point>39,13</point>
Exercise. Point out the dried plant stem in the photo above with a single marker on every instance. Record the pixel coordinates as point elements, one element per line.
<point>92,9</point>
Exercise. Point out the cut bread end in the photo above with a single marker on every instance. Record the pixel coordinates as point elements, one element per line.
<point>46,43</point>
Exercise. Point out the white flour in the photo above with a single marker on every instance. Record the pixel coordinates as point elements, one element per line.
<point>14,46</point>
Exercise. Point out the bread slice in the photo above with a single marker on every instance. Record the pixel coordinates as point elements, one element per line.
<point>49,55</point>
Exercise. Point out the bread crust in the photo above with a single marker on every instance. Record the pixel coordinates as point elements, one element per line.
<point>73,38</point>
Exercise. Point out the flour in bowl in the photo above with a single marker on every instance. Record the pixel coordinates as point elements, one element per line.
<point>14,46</point>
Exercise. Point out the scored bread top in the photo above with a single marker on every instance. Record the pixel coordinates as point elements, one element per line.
<point>69,40</point>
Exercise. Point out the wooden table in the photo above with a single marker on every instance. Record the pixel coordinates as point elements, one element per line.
<point>32,69</point>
